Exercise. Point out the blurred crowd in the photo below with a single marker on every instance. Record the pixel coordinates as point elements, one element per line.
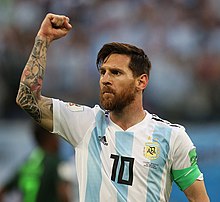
<point>181,38</point>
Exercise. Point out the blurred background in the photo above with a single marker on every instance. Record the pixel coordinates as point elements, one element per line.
<point>181,38</point>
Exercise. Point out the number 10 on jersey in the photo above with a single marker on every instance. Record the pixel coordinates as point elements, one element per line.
<point>124,167</point>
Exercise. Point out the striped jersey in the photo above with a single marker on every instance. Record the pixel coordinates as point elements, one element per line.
<point>138,164</point>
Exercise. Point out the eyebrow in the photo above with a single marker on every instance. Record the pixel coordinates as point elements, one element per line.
<point>103,68</point>
<point>111,68</point>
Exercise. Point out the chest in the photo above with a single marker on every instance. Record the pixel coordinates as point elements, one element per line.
<point>129,152</point>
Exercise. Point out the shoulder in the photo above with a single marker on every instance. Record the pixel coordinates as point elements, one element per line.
<point>165,123</point>
<point>179,139</point>
<point>176,130</point>
<point>74,107</point>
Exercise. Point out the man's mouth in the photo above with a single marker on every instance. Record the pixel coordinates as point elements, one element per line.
<point>107,91</point>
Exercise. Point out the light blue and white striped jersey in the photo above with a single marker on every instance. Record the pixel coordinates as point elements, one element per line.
<point>123,166</point>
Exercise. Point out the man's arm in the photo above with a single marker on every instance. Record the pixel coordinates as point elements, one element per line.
<point>197,192</point>
<point>29,95</point>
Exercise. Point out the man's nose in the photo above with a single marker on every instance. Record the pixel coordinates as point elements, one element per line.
<point>106,78</point>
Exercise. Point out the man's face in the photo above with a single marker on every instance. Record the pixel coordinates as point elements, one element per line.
<point>117,84</point>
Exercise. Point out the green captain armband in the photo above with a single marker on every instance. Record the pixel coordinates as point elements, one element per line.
<point>185,177</point>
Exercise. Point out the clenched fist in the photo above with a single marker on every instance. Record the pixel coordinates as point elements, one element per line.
<point>54,27</point>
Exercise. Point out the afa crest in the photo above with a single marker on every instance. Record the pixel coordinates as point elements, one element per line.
<point>151,150</point>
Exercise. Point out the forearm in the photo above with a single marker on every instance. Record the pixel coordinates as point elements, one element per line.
<point>29,92</point>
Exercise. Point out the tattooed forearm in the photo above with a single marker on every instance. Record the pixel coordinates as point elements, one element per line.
<point>28,102</point>
<point>40,49</point>
<point>31,80</point>
<point>35,68</point>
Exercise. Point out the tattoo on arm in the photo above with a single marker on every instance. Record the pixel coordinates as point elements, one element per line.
<point>28,102</point>
<point>31,80</point>
<point>35,68</point>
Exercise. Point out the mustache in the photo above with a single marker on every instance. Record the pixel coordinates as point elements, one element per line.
<point>107,89</point>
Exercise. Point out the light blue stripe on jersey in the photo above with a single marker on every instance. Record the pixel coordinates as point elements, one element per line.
<point>160,135</point>
<point>124,144</point>
<point>94,166</point>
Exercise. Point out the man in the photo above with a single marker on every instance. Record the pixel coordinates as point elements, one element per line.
<point>123,153</point>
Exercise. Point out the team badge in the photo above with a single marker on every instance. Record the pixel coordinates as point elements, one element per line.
<point>151,150</point>
<point>75,107</point>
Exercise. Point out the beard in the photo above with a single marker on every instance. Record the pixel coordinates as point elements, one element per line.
<point>113,101</point>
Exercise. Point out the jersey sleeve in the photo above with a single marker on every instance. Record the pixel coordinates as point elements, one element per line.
<point>185,170</point>
<point>71,121</point>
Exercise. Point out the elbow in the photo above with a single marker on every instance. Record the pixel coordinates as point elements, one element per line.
<point>18,99</point>
<point>21,99</point>
<point>24,94</point>
<point>20,95</point>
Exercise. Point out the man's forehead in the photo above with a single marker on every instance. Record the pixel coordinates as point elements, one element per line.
<point>117,60</point>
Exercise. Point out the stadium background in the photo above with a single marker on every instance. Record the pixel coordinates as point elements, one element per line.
<point>181,38</point>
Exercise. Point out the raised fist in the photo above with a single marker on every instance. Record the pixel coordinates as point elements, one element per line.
<point>54,27</point>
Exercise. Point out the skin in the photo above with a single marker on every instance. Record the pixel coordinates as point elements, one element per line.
<point>116,76</point>
<point>197,192</point>
<point>116,80</point>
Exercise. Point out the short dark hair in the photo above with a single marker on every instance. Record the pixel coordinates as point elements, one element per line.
<point>139,63</point>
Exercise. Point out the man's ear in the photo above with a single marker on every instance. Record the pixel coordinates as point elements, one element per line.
<point>142,82</point>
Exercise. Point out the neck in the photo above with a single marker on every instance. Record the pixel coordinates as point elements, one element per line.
<point>128,116</point>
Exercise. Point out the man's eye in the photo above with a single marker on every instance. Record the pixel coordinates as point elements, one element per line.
<point>116,72</point>
<point>102,72</point>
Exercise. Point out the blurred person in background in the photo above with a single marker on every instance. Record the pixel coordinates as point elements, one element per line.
<point>40,178</point>
<point>108,167</point>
